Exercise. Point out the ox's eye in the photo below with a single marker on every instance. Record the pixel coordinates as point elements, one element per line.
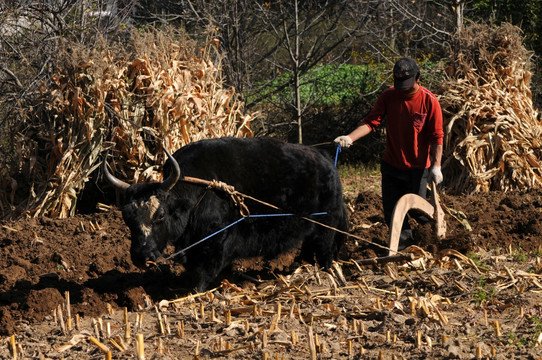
<point>160,215</point>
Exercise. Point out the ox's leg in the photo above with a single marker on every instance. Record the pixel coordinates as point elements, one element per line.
<point>325,243</point>
<point>204,274</point>
<point>206,263</point>
<point>322,246</point>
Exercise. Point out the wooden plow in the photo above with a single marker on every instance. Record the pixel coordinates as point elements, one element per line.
<point>416,202</point>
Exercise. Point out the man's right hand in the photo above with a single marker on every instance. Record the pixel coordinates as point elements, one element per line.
<point>435,174</point>
<point>344,141</point>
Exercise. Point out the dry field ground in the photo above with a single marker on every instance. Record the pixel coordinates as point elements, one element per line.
<point>475,294</point>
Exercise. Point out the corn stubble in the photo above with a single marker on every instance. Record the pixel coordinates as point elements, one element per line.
<point>306,315</point>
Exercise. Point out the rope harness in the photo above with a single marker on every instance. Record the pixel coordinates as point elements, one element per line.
<point>239,200</point>
<point>236,197</point>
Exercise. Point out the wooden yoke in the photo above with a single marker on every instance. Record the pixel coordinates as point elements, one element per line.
<point>413,201</point>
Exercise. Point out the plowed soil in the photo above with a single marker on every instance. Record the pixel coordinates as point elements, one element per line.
<point>445,305</point>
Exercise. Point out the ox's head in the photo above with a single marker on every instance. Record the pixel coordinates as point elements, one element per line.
<point>150,213</point>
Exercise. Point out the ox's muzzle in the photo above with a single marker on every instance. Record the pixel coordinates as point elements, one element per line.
<point>143,256</point>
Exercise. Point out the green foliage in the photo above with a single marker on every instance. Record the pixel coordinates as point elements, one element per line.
<point>520,256</point>
<point>537,323</point>
<point>525,14</point>
<point>476,260</point>
<point>352,171</point>
<point>327,85</point>
<point>339,85</point>
<point>483,292</point>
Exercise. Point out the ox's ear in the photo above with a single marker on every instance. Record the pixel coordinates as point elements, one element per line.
<point>117,183</point>
<point>169,183</point>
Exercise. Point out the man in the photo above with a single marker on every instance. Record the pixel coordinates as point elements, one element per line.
<point>414,137</point>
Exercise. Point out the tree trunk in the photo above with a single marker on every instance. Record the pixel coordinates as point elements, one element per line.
<point>297,81</point>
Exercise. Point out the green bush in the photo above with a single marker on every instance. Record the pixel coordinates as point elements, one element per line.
<point>326,85</point>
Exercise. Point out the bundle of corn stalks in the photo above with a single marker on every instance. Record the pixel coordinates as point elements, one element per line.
<point>166,92</point>
<point>492,130</point>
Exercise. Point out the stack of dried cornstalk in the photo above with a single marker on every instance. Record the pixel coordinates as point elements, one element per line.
<point>163,90</point>
<point>492,130</point>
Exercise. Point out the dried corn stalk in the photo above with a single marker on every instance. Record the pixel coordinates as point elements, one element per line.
<point>492,130</point>
<point>131,102</point>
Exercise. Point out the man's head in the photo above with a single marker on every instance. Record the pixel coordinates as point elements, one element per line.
<point>405,73</point>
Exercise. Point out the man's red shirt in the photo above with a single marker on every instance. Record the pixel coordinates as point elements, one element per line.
<point>413,123</point>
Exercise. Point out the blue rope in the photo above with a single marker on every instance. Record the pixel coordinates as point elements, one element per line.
<point>232,224</point>
<point>337,154</point>
<point>274,215</point>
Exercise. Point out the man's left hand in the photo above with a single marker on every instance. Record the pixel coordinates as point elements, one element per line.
<point>435,174</point>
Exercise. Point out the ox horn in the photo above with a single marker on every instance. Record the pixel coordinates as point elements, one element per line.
<point>169,183</point>
<point>117,183</point>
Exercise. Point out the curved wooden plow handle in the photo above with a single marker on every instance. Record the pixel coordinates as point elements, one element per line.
<point>414,201</point>
<point>406,202</point>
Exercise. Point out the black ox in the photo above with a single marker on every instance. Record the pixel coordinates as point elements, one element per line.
<point>295,178</point>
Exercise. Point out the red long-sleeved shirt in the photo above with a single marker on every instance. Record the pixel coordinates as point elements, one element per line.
<point>413,123</point>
